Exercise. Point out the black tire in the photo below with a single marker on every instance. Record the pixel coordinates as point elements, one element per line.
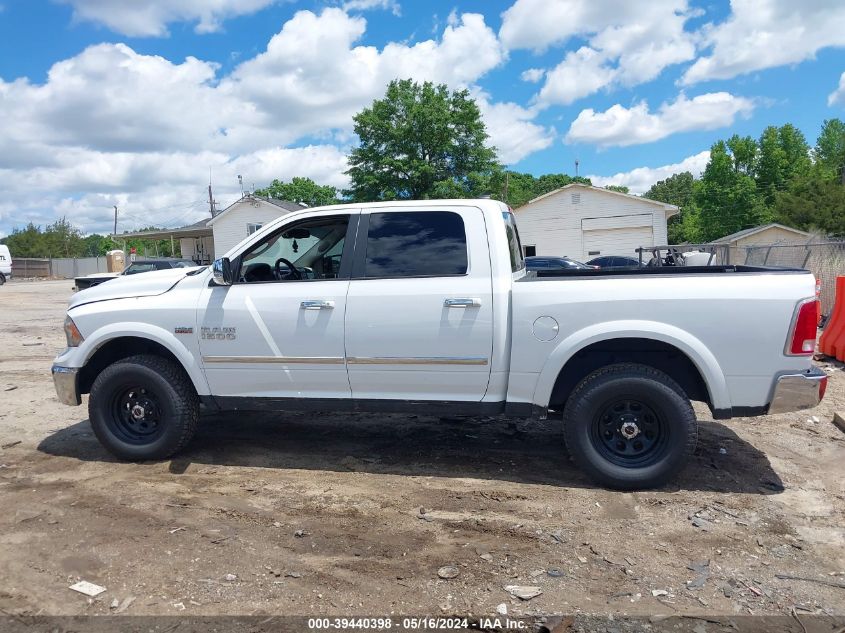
<point>629,427</point>
<point>162,399</point>
<point>2,279</point>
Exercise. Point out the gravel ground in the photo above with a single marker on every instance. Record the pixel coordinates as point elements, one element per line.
<point>313,514</point>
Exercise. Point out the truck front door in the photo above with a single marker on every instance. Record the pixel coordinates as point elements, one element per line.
<point>419,314</point>
<point>277,331</point>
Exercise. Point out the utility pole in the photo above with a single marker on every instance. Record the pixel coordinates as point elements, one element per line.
<point>115,220</point>
<point>210,200</point>
<point>577,162</point>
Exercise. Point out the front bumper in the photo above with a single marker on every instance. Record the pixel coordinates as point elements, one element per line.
<point>65,379</point>
<point>794,392</point>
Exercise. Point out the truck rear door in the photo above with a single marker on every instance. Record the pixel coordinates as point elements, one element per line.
<point>419,314</point>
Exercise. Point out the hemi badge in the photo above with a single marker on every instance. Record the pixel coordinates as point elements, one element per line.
<point>184,330</point>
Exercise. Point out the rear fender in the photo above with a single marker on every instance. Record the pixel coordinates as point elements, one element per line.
<point>697,352</point>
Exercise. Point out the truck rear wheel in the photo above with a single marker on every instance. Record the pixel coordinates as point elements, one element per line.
<point>629,427</point>
<point>143,407</point>
<point>2,279</point>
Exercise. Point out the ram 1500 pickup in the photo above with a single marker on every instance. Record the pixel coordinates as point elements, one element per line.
<point>426,307</point>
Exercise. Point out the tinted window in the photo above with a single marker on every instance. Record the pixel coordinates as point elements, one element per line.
<point>415,244</point>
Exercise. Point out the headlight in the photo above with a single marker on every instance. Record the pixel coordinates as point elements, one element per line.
<point>72,333</point>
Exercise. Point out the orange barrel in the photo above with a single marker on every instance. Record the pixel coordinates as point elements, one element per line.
<point>835,344</point>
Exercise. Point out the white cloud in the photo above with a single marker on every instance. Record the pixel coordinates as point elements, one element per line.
<point>312,77</point>
<point>762,34</point>
<point>114,126</point>
<point>838,95</point>
<point>512,130</point>
<point>628,42</point>
<point>532,75</point>
<point>151,17</point>
<point>641,179</point>
<point>368,5</point>
<point>621,126</point>
<point>165,189</point>
<point>581,73</point>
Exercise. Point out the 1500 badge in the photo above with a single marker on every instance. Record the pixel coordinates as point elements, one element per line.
<point>218,333</point>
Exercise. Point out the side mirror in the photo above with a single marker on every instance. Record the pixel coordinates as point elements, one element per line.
<point>222,271</point>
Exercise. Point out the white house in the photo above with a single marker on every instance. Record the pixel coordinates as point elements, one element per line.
<point>244,217</point>
<point>207,239</point>
<point>583,222</point>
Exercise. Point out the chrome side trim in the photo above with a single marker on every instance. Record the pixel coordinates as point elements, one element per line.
<point>416,360</point>
<point>64,380</point>
<point>279,360</point>
<point>794,392</point>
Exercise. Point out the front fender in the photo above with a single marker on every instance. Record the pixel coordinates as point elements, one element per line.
<point>697,352</point>
<point>95,340</point>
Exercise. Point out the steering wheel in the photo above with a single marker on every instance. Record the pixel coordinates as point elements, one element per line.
<point>293,273</point>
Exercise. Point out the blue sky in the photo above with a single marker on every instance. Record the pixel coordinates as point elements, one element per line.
<point>109,102</point>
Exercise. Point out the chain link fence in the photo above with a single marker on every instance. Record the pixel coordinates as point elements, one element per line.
<point>824,258</point>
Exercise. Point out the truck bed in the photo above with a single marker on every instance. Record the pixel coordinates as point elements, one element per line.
<point>660,270</point>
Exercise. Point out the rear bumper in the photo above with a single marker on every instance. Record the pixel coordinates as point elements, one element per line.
<point>794,392</point>
<point>65,380</point>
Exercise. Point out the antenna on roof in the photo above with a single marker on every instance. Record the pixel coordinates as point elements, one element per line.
<point>577,162</point>
<point>211,201</point>
<point>241,183</point>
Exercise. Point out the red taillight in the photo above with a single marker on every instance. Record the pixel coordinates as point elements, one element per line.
<point>802,339</point>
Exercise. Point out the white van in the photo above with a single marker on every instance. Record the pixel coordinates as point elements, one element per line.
<point>5,264</point>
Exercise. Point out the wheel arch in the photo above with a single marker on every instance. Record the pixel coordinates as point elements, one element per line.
<point>654,344</point>
<point>109,347</point>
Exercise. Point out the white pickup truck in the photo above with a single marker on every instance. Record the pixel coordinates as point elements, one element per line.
<point>426,307</point>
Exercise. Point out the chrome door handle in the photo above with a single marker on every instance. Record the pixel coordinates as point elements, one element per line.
<point>462,303</point>
<point>316,305</point>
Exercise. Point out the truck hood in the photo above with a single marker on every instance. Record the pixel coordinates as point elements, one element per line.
<point>149,284</point>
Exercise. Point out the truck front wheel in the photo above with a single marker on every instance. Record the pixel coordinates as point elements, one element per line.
<point>143,407</point>
<point>629,427</point>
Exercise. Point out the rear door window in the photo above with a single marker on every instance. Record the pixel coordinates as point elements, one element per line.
<point>416,244</point>
<point>514,244</point>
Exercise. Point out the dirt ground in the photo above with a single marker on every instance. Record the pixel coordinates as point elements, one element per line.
<point>355,514</point>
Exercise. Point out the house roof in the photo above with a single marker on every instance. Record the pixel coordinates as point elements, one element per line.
<point>197,229</point>
<point>287,205</point>
<point>663,205</point>
<point>733,237</point>
<point>203,227</point>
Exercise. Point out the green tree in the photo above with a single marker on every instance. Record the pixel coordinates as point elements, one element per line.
<point>62,239</point>
<point>744,152</point>
<point>678,189</point>
<point>784,154</point>
<point>302,190</point>
<point>26,242</point>
<point>618,188</point>
<point>726,199</point>
<point>813,203</point>
<point>96,245</point>
<point>420,141</point>
<point>829,152</point>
